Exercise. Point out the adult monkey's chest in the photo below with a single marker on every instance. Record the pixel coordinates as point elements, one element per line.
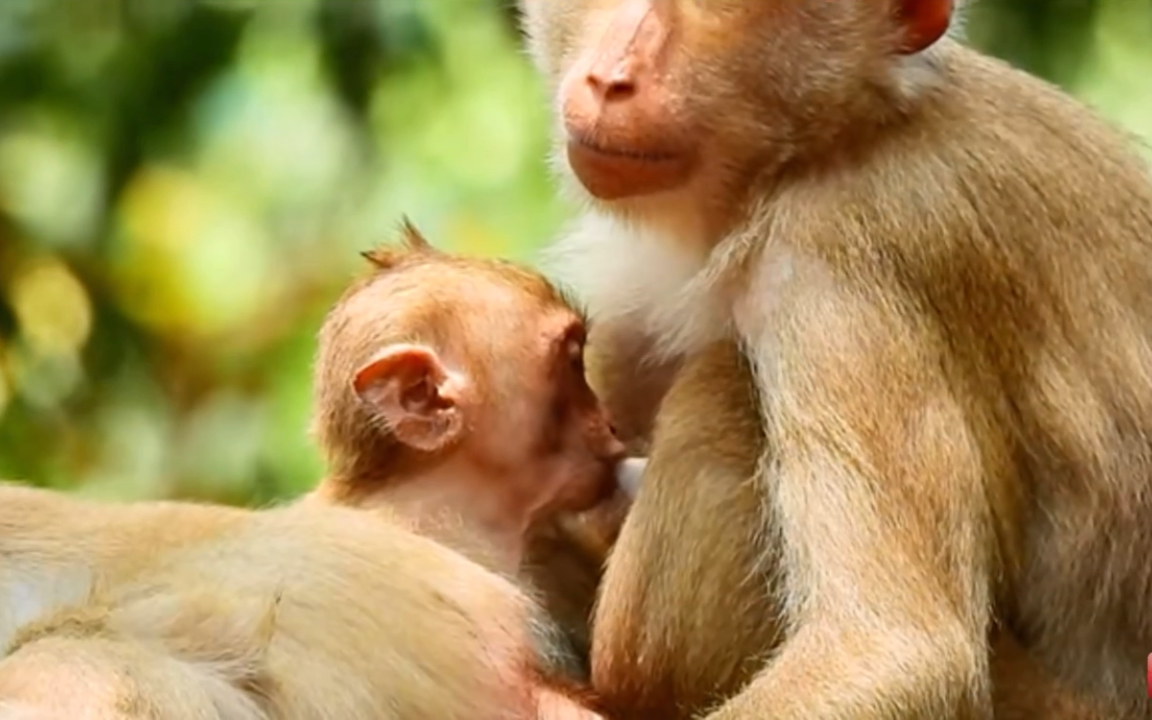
<point>688,607</point>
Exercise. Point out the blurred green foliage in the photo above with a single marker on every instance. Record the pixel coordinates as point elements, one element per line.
<point>185,184</point>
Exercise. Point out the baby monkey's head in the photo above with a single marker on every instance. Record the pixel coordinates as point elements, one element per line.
<point>438,363</point>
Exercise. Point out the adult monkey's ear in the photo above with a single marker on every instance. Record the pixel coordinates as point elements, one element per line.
<point>414,395</point>
<point>922,22</point>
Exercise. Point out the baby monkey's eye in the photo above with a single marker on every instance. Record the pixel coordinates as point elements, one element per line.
<point>575,350</point>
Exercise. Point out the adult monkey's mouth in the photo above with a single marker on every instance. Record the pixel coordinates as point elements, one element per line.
<point>624,152</point>
<point>611,172</point>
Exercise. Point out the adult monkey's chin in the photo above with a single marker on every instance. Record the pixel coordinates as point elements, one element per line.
<point>613,174</point>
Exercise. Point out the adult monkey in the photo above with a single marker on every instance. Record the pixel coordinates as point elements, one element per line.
<point>941,271</point>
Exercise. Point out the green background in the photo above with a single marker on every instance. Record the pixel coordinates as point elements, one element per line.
<point>184,187</point>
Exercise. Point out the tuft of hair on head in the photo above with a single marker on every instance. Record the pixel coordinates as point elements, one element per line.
<point>412,243</point>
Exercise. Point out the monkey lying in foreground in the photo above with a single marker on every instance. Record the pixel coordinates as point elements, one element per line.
<point>453,411</point>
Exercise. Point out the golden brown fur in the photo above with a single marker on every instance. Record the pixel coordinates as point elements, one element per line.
<point>565,561</point>
<point>700,477</point>
<point>706,473</point>
<point>941,270</point>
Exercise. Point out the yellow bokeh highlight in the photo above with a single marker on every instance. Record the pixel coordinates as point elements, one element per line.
<point>187,260</point>
<point>5,390</point>
<point>51,306</point>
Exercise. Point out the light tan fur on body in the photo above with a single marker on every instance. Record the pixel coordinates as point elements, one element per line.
<point>360,619</point>
<point>389,592</point>
<point>187,655</point>
<point>59,550</point>
<point>941,270</point>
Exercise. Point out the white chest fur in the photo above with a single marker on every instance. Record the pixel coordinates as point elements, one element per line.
<point>660,285</point>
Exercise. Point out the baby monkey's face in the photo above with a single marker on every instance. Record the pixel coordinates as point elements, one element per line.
<point>547,430</point>
<point>473,367</point>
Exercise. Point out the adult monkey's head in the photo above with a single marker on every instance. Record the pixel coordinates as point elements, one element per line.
<point>658,95</point>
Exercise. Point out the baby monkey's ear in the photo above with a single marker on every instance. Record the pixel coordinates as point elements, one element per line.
<point>418,399</point>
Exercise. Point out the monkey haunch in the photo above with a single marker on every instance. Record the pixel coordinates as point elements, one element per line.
<point>940,271</point>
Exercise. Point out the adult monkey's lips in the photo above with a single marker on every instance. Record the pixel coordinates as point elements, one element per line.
<point>649,155</point>
<point>612,172</point>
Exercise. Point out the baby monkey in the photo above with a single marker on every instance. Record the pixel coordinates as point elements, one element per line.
<point>452,390</point>
<point>455,418</point>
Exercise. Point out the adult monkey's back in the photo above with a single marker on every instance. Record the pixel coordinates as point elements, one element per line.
<point>941,271</point>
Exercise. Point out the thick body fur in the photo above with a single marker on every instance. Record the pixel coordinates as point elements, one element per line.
<point>708,473</point>
<point>944,292</point>
<point>564,564</point>
<point>700,476</point>
<point>56,550</point>
<point>382,592</point>
<point>99,676</point>
<point>230,610</point>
